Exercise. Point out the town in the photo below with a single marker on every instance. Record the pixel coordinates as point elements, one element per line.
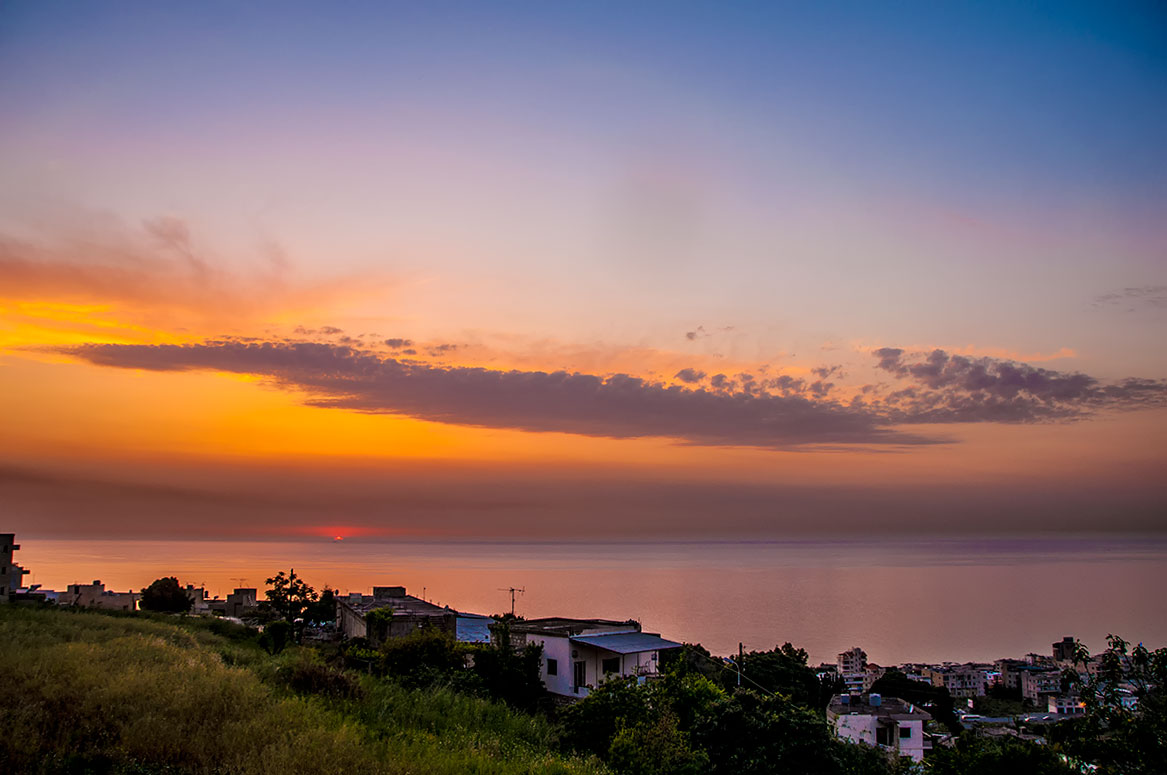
<point>907,709</point>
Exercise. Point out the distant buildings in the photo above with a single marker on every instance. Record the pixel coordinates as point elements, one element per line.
<point>95,595</point>
<point>408,614</point>
<point>962,681</point>
<point>578,654</point>
<point>886,722</point>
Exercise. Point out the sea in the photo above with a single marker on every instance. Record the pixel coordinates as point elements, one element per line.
<point>923,600</point>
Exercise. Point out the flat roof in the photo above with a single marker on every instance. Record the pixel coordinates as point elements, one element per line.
<point>626,642</point>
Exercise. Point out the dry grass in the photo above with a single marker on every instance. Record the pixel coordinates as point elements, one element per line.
<point>85,692</point>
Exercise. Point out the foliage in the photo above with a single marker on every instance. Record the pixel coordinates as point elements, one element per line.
<point>377,623</point>
<point>323,610</point>
<point>275,637</point>
<point>656,746</point>
<point>90,692</point>
<point>306,673</point>
<point>1002,756</point>
<point>692,724</point>
<point>513,677</point>
<point>166,595</point>
<point>430,656</point>
<point>782,671</point>
<point>1116,738</point>
<point>425,656</point>
<point>289,596</point>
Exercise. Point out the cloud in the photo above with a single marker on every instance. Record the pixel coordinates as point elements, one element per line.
<point>397,344</point>
<point>154,271</point>
<point>777,413</point>
<point>1132,298</point>
<point>954,388</point>
<point>617,406</point>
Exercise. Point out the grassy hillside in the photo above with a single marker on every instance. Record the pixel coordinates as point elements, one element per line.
<point>88,692</point>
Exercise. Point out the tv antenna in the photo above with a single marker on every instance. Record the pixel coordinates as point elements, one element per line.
<point>239,582</point>
<point>512,590</point>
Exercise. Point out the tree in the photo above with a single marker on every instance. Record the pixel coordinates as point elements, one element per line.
<point>324,609</point>
<point>984,756</point>
<point>289,596</point>
<point>1112,735</point>
<point>166,596</point>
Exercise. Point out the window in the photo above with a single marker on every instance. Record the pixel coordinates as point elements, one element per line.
<point>552,667</point>
<point>905,733</point>
<point>611,665</point>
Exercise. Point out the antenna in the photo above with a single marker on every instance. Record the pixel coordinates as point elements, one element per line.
<point>240,583</point>
<point>512,590</point>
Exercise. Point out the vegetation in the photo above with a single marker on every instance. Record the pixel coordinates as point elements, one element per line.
<point>92,692</point>
<point>1006,756</point>
<point>166,595</point>
<point>289,596</point>
<point>1118,739</point>
<point>686,722</point>
<point>153,693</point>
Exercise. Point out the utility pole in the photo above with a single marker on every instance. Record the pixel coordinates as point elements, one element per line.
<point>512,590</point>
<point>739,663</point>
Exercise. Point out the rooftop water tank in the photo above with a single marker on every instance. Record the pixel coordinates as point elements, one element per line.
<point>875,700</point>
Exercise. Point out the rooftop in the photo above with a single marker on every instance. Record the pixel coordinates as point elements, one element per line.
<point>885,707</point>
<point>627,642</point>
<point>557,625</point>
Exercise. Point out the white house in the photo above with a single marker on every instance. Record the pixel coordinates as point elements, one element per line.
<point>578,654</point>
<point>886,722</point>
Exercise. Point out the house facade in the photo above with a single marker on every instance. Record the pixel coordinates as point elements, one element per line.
<point>885,722</point>
<point>579,654</point>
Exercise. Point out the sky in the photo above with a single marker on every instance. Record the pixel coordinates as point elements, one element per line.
<point>582,270</point>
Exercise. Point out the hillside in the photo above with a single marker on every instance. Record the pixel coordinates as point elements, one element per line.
<point>90,692</point>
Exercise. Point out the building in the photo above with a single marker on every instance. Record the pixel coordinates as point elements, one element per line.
<point>1037,682</point>
<point>1009,672</point>
<point>11,574</point>
<point>887,722</point>
<point>199,602</point>
<point>95,595</point>
<point>243,601</point>
<point>406,614</point>
<point>1066,705</point>
<point>578,654</point>
<point>960,680</point>
<point>1064,650</point>
<point>853,669</point>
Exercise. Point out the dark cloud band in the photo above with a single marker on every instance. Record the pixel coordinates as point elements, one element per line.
<point>937,388</point>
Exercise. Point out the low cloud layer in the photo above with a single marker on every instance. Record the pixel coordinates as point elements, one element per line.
<point>945,388</point>
<point>618,406</point>
<point>933,388</point>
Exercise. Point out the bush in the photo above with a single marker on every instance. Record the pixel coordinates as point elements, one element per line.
<point>308,675</point>
<point>276,636</point>
<point>166,595</point>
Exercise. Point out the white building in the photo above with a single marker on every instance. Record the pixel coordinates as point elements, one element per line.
<point>578,654</point>
<point>95,595</point>
<point>888,723</point>
<point>853,669</point>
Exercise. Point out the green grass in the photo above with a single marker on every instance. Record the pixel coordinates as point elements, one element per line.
<point>89,692</point>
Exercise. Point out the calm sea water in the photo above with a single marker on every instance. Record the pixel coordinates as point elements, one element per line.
<point>901,601</point>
